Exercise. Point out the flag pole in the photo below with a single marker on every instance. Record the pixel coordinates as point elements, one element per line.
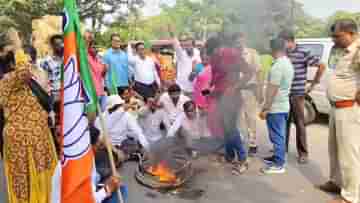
<point>109,149</point>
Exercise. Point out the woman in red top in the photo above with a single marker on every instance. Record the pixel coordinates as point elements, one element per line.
<point>227,63</point>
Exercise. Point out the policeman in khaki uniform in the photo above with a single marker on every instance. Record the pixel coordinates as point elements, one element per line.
<point>253,92</point>
<point>344,97</point>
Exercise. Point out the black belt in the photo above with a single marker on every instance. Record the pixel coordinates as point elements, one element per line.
<point>143,84</point>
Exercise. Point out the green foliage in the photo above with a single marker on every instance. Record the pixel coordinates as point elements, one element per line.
<point>343,15</point>
<point>95,11</point>
<point>187,17</point>
<point>309,27</point>
<point>260,20</point>
<point>20,13</point>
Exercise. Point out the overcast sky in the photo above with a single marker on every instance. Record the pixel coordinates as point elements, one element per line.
<point>325,8</point>
<point>317,8</point>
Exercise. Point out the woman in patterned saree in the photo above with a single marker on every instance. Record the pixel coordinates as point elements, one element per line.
<point>29,152</point>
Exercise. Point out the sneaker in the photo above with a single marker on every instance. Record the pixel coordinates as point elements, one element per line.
<point>240,168</point>
<point>273,170</point>
<point>269,160</point>
<point>252,151</point>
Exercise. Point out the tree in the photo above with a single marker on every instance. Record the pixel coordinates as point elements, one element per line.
<point>22,12</point>
<point>196,18</point>
<point>96,11</point>
<point>343,15</point>
<point>260,20</point>
<point>310,27</point>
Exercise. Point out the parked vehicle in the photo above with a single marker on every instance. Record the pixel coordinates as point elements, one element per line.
<point>317,101</point>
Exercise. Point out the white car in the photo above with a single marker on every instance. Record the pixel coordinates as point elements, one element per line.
<point>317,101</point>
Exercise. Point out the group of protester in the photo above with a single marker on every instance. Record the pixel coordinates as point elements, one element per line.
<point>216,89</point>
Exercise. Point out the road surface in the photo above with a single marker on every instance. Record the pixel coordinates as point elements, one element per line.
<point>218,185</point>
<point>296,186</point>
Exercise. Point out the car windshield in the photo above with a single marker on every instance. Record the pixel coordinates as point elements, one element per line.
<point>314,49</point>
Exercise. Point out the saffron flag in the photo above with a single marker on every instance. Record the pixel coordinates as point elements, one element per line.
<point>78,97</point>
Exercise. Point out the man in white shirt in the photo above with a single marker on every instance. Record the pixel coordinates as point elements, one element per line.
<point>173,102</point>
<point>151,118</point>
<point>186,60</point>
<point>196,53</point>
<point>186,125</point>
<point>147,80</point>
<point>120,124</point>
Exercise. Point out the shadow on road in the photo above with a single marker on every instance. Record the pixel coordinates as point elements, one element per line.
<point>259,191</point>
<point>312,172</point>
<point>322,119</point>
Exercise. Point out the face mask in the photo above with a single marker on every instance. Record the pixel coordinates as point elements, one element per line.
<point>60,51</point>
<point>190,52</point>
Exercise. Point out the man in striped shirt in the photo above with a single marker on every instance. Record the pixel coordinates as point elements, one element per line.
<point>301,60</point>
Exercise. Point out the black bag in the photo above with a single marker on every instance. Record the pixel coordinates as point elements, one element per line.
<point>42,96</point>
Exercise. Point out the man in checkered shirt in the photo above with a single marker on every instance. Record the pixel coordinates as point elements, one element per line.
<point>52,65</point>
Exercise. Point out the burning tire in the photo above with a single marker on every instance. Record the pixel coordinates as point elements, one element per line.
<point>162,176</point>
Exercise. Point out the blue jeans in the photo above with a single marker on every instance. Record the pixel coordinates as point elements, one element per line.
<point>114,197</point>
<point>276,124</point>
<point>234,146</point>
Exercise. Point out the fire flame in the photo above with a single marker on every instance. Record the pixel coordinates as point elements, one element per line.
<point>162,171</point>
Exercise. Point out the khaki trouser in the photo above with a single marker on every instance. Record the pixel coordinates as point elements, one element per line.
<point>344,151</point>
<point>248,115</point>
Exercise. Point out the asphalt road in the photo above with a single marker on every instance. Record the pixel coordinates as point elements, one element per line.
<point>218,185</point>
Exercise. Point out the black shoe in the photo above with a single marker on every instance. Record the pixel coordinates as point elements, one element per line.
<point>229,159</point>
<point>329,187</point>
<point>269,160</point>
<point>252,151</point>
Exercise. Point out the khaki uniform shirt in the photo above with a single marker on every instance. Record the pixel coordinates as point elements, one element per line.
<point>345,81</point>
<point>252,57</point>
